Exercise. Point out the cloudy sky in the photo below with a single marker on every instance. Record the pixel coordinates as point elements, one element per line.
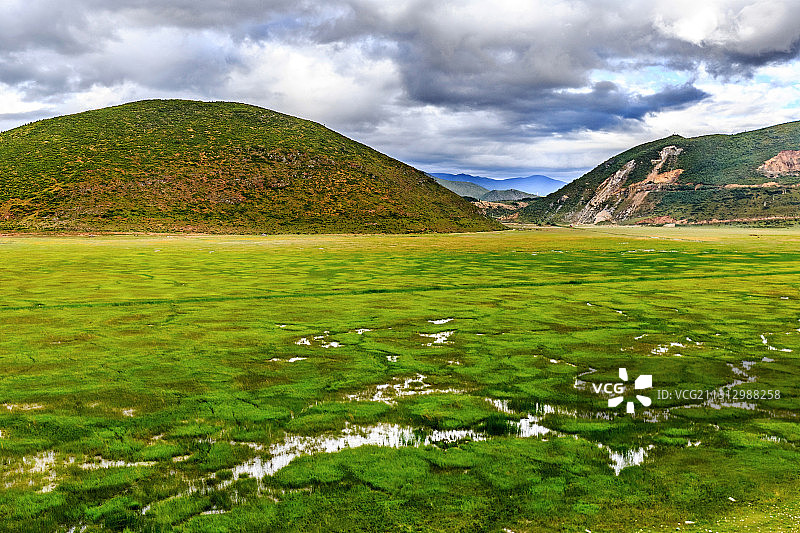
<point>501,88</point>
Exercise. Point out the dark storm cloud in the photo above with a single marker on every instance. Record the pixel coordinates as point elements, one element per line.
<point>529,62</point>
<point>732,63</point>
<point>606,106</point>
<point>525,71</point>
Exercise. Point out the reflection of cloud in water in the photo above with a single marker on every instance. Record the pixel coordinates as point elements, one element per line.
<point>388,435</point>
<point>621,460</point>
<point>388,392</point>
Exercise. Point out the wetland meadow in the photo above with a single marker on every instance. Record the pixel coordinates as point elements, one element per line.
<point>442,382</point>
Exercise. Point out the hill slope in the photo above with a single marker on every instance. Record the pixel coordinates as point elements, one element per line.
<point>175,165</point>
<point>462,188</point>
<point>744,177</point>
<point>537,184</point>
<point>507,195</point>
<point>468,189</point>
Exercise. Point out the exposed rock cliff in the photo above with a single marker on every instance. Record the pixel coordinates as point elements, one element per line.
<point>614,201</point>
<point>786,163</point>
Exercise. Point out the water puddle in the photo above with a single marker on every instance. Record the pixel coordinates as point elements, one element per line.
<point>738,405</point>
<point>622,460</point>
<point>321,340</point>
<point>438,338</point>
<point>47,465</point>
<point>718,401</point>
<point>389,392</point>
<point>529,427</point>
<point>540,411</point>
<point>100,463</point>
<point>662,349</point>
<point>742,377</point>
<point>500,405</point>
<point>581,384</point>
<point>560,362</point>
<point>396,436</point>
<point>387,435</point>
<point>741,373</point>
<point>766,343</point>
<point>441,321</point>
<point>40,463</point>
<point>22,407</point>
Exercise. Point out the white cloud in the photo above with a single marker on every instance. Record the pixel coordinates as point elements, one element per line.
<point>325,82</point>
<point>766,99</point>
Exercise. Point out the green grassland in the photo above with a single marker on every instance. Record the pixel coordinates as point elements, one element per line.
<point>141,375</point>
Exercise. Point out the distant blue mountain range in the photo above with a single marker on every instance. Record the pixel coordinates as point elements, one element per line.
<point>536,184</point>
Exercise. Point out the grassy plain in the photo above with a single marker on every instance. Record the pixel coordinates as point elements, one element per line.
<point>145,378</point>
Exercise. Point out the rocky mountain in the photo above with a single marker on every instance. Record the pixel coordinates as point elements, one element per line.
<point>462,188</point>
<point>536,185</point>
<point>508,195</point>
<point>470,190</point>
<point>186,166</point>
<point>747,177</point>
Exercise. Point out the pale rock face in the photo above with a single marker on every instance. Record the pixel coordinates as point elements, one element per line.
<point>613,202</point>
<point>668,153</point>
<point>609,188</point>
<point>603,216</point>
<point>785,163</point>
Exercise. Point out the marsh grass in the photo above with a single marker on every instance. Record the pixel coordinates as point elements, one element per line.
<point>176,351</point>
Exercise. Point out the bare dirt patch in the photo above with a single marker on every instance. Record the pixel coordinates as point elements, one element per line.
<point>786,163</point>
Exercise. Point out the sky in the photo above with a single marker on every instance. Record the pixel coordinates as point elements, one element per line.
<point>499,89</point>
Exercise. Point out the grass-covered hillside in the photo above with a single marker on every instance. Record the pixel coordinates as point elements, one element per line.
<point>691,180</point>
<point>175,165</point>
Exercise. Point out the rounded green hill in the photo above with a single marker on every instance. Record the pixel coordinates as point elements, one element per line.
<point>211,167</point>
